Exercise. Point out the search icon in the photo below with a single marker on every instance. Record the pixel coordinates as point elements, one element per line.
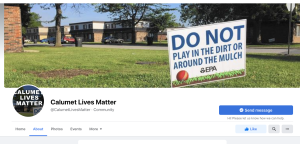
<point>273,128</point>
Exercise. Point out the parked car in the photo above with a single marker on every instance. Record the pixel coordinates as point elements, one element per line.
<point>111,39</point>
<point>68,40</point>
<point>51,40</point>
<point>63,40</point>
<point>27,40</point>
<point>44,40</point>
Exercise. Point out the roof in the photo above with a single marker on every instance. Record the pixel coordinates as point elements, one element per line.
<point>125,20</point>
<point>37,27</point>
<point>60,26</point>
<point>88,22</point>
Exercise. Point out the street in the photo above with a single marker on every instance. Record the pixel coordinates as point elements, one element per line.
<point>153,47</point>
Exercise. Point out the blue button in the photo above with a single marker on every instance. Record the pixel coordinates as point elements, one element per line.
<point>250,128</point>
<point>256,110</point>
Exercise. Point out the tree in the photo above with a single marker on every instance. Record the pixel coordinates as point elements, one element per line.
<point>34,21</point>
<point>257,13</point>
<point>59,16</point>
<point>199,14</point>
<point>130,12</point>
<point>25,13</point>
<point>162,21</point>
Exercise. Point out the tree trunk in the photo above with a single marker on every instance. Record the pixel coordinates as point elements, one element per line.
<point>256,32</point>
<point>57,24</point>
<point>133,31</point>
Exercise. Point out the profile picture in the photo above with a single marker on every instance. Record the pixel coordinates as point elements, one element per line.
<point>28,100</point>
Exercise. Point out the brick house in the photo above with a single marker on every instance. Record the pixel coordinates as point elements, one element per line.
<point>296,26</point>
<point>162,36</point>
<point>94,31</point>
<point>296,37</point>
<point>37,33</point>
<point>12,29</point>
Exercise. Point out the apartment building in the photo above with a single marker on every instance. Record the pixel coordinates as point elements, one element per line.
<point>94,31</point>
<point>123,29</point>
<point>91,31</point>
<point>37,33</point>
<point>65,31</point>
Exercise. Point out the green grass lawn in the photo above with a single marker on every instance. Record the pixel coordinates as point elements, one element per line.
<point>26,114</point>
<point>117,68</point>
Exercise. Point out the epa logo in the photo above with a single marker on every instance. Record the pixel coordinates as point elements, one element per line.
<point>241,110</point>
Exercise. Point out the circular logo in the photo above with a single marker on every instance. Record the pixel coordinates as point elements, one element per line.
<point>28,100</point>
<point>182,75</point>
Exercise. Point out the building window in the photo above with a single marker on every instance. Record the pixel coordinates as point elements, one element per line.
<point>76,27</point>
<point>298,30</point>
<point>90,36</point>
<point>72,27</point>
<point>107,26</point>
<point>90,26</point>
<point>84,26</point>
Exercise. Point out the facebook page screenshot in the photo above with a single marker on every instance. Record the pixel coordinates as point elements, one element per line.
<point>138,72</point>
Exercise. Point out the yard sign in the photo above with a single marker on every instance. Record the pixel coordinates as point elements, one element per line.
<point>207,53</point>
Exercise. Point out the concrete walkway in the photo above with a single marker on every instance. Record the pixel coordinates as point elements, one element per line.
<point>145,47</point>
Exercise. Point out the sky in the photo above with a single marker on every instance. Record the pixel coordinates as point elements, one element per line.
<point>86,14</point>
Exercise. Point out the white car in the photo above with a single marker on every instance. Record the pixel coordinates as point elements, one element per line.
<point>27,40</point>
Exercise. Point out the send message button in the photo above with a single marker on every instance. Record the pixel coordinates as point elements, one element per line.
<point>256,110</point>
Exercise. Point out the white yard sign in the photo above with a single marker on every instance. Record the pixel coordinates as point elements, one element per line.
<point>207,53</point>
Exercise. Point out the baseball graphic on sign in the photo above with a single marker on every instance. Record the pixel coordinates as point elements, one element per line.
<point>182,75</point>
